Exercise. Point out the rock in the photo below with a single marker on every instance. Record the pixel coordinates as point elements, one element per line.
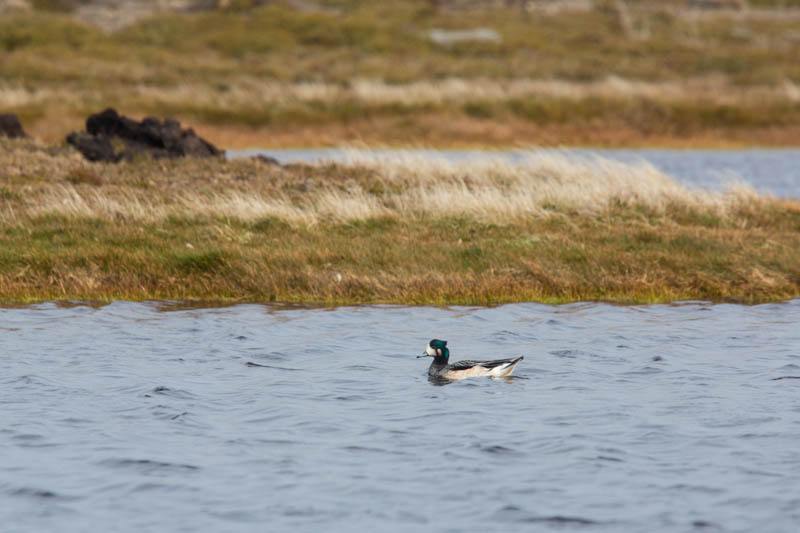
<point>11,127</point>
<point>149,137</point>
<point>93,147</point>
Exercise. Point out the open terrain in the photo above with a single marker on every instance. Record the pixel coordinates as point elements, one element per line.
<point>600,73</point>
<point>400,230</point>
<point>417,73</point>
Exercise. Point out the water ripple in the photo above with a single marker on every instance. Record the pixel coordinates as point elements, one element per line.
<point>645,418</point>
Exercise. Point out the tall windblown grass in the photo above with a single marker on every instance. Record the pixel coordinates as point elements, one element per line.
<point>538,184</point>
<point>406,186</point>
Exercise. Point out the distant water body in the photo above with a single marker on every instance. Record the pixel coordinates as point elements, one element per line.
<point>152,417</point>
<point>770,171</point>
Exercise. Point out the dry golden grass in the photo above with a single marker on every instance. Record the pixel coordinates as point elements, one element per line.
<point>403,230</point>
<point>608,112</point>
<point>402,186</point>
<point>254,93</point>
<point>453,112</point>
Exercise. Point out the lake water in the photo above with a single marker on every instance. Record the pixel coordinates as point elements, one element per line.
<point>152,417</point>
<point>770,171</point>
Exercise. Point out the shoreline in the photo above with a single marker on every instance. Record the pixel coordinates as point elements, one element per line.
<point>167,304</point>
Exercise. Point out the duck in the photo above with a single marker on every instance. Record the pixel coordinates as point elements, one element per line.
<point>440,367</point>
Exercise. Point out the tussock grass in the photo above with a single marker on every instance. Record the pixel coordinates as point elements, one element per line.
<point>404,230</point>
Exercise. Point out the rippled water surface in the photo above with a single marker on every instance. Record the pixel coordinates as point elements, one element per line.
<point>141,417</point>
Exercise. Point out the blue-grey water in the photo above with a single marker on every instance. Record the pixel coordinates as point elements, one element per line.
<point>150,417</point>
<point>769,171</point>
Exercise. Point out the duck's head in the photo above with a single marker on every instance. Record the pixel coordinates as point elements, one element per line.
<point>437,349</point>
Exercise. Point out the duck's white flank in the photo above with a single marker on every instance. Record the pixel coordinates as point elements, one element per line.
<point>479,371</point>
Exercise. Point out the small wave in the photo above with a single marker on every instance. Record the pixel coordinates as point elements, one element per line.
<point>258,365</point>
<point>367,449</point>
<point>27,437</point>
<point>32,440</point>
<point>643,371</point>
<point>175,393</point>
<point>497,449</point>
<point>360,367</point>
<point>350,398</point>
<point>609,458</point>
<point>507,335</point>
<point>552,519</point>
<point>27,380</point>
<point>148,465</point>
<point>699,489</point>
<point>34,493</point>
<point>558,519</point>
<point>702,524</point>
<point>148,487</point>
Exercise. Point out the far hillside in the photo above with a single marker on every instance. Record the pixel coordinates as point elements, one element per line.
<point>418,72</point>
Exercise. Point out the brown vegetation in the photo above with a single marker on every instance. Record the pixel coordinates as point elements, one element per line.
<point>405,230</point>
<point>608,73</point>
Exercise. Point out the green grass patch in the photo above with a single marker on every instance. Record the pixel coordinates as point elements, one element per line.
<point>199,261</point>
<point>618,250</point>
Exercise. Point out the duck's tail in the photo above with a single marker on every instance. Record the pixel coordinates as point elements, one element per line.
<point>506,368</point>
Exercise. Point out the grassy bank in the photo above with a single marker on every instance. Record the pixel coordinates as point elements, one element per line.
<point>404,230</point>
<point>598,73</point>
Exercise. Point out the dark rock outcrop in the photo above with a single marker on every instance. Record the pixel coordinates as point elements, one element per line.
<point>108,130</point>
<point>10,126</point>
<point>93,147</point>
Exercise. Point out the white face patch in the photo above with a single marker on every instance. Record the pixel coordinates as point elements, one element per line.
<point>430,351</point>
